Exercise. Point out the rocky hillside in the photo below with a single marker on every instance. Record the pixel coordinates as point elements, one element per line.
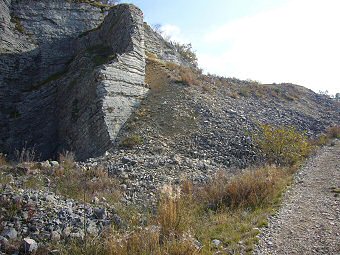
<point>73,72</point>
<point>191,131</point>
<point>96,80</point>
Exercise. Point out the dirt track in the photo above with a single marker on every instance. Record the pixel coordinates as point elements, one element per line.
<point>309,219</point>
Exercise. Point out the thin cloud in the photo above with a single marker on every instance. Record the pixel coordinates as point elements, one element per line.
<point>297,42</point>
<point>173,33</point>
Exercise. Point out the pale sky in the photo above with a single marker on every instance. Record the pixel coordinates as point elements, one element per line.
<point>295,41</point>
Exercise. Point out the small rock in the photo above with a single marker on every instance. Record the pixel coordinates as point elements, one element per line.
<point>10,233</point>
<point>54,164</point>
<point>66,232</point>
<point>100,213</point>
<point>55,236</point>
<point>216,242</point>
<point>44,164</point>
<point>29,245</point>
<point>95,200</point>
<point>92,229</point>
<point>50,198</point>
<point>25,215</point>
<point>47,181</point>
<point>118,221</point>
<point>127,160</point>
<point>77,234</point>
<point>3,240</point>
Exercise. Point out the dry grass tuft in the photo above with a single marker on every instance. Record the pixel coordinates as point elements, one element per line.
<point>131,141</point>
<point>3,160</point>
<point>251,189</point>
<point>137,242</point>
<point>170,216</point>
<point>67,160</point>
<point>26,155</point>
<point>254,188</point>
<point>188,77</point>
<point>333,132</point>
<point>94,182</point>
<point>187,187</point>
<point>321,140</point>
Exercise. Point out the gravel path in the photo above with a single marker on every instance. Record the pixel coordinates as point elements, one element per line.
<point>309,220</point>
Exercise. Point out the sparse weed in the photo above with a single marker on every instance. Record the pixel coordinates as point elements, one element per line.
<point>33,182</point>
<point>67,160</point>
<point>27,155</point>
<point>170,216</point>
<point>95,182</point>
<point>321,140</point>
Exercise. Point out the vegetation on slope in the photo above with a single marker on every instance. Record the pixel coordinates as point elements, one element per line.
<point>223,215</point>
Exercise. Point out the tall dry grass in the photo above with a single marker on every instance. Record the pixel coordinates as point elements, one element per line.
<point>170,216</point>
<point>252,188</point>
<point>26,155</point>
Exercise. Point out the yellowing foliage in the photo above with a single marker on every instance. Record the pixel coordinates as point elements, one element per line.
<point>283,145</point>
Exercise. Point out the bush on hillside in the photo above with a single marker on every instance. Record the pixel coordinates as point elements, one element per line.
<point>282,145</point>
<point>186,52</point>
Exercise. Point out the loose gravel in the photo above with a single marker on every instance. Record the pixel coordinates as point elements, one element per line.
<point>309,220</point>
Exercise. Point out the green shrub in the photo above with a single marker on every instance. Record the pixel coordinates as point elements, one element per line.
<point>282,145</point>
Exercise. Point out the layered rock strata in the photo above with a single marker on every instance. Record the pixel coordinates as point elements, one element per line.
<point>70,75</point>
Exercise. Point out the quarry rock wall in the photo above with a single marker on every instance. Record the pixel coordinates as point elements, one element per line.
<point>70,75</point>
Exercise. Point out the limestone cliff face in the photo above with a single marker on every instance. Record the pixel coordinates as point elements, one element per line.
<point>70,75</point>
